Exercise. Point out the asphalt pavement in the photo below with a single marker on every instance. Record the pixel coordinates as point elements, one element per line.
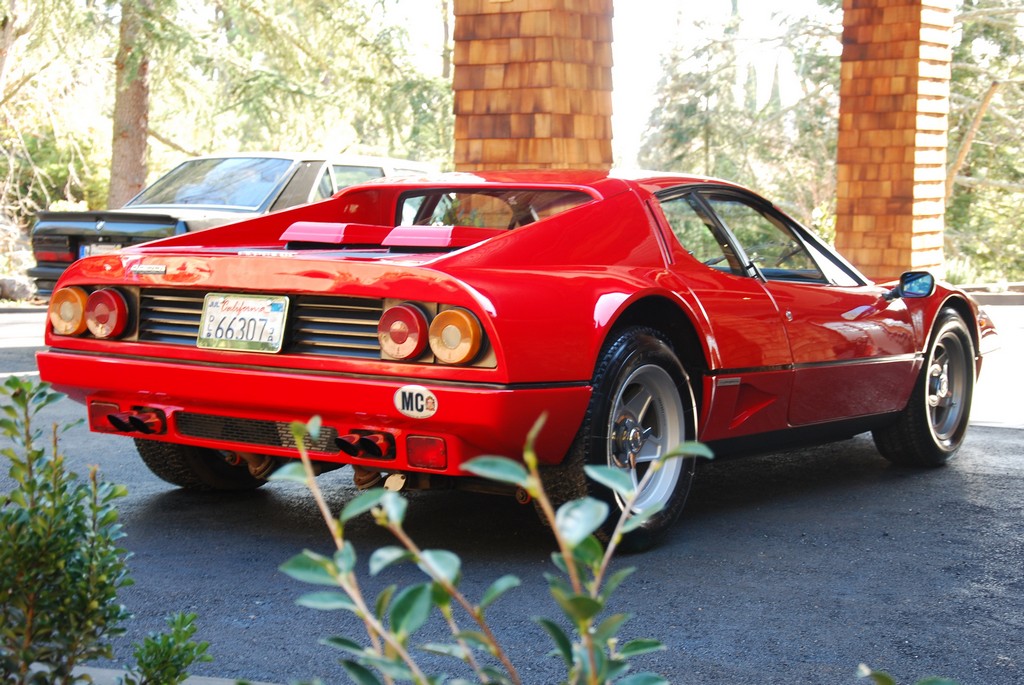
<point>785,568</point>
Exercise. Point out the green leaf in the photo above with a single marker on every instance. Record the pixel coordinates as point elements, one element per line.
<point>363,503</point>
<point>384,601</point>
<point>563,645</point>
<point>878,677</point>
<point>327,601</point>
<point>579,608</point>
<point>640,518</point>
<point>411,608</point>
<point>313,427</point>
<point>590,552</point>
<point>345,558</point>
<point>310,567</point>
<point>690,449</point>
<point>392,667</point>
<point>359,674</point>
<point>609,627</point>
<point>576,520</point>
<point>441,565</point>
<point>637,647</point>
<point>344,644</point>
<point>394,506</point>
<point>500,469</point>
<point>475,639</point>
<point>293,472</point>
<point>614,479</point>
<point>497,589</point>
<point>455,651</point>
<point>386,556</point>
<point>935,680</point>
<point>643,679</point>
<point>614,581</point>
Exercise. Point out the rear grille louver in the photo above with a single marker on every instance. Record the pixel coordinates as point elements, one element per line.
<point>252,432</point>
<point>333,326</point>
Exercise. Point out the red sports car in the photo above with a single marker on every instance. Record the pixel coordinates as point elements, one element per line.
<point>430,321</point>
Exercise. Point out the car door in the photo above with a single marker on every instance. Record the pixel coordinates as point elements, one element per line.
<point>748,387</point>
<point>853,349</point>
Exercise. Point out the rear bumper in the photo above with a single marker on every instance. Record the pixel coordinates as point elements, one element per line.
<point>243,409</point>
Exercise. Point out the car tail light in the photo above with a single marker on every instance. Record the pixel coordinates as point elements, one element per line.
<point>53,248</point>
<point>67,311</point>
<point>402,332</point>
<point>426,452</point>
<point>455,336</point>
<point>106,313</point>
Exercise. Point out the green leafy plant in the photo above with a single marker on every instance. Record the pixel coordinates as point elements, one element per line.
<point>582,589</point>
<point>60,564</point>
<point>164,658</point>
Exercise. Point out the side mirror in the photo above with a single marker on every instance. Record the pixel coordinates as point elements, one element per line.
<point>913,284</point>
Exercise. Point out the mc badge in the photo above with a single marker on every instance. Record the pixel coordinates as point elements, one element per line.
<point>415,401</point>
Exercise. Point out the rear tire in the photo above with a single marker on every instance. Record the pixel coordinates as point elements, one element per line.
<point>641,407</point>
<point>931,428</point>
<point>194,468</point>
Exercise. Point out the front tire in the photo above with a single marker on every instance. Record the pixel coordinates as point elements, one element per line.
<point>931,429</point>
<point>641,407</point>
<point>194,468</point>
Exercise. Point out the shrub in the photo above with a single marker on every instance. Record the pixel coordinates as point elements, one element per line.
<point>60,564</point>
<point>164,658</point>
<point>591,651</point>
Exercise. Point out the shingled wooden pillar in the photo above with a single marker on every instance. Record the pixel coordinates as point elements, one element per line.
<point>533,84</point>
<point>894,102</point>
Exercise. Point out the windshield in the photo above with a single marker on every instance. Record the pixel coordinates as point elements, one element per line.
<point>239,182</point>
<point>486,208</point>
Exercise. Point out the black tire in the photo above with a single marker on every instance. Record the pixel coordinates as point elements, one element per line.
<point>931,428</point>
<point>194,468</point>
<point>642,406</point>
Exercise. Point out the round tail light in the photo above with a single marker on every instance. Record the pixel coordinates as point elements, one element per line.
<point>455,336</point>
<point>67,311</point>
<point>106,313</point>
<point>402,332</point>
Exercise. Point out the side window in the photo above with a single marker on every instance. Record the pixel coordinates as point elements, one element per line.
<point>325,187</point>
<point>698,234</point>
<point>767,241</point>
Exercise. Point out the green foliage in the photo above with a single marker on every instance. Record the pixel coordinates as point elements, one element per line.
<point>60,564</point>
<point>585,638</point>
<point>713,116</point>
<point>708,121</point>
<point>983,214</point>
<point>164,658</point>
<point>226,76</point>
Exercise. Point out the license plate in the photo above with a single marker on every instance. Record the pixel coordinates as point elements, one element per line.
<point>97,248</point>
<point>254,323</point>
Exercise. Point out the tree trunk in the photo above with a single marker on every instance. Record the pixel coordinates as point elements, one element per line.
<point>968,141</point>
<point>131,107</point>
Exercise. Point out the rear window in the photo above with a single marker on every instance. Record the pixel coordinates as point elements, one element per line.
<point>485,207</point>
<point>348,175</point>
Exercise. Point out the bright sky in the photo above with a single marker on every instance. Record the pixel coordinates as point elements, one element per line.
<point>644,30</point>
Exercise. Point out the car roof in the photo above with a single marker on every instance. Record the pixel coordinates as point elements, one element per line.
<point>333,158</point>
<point>604,182</point>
